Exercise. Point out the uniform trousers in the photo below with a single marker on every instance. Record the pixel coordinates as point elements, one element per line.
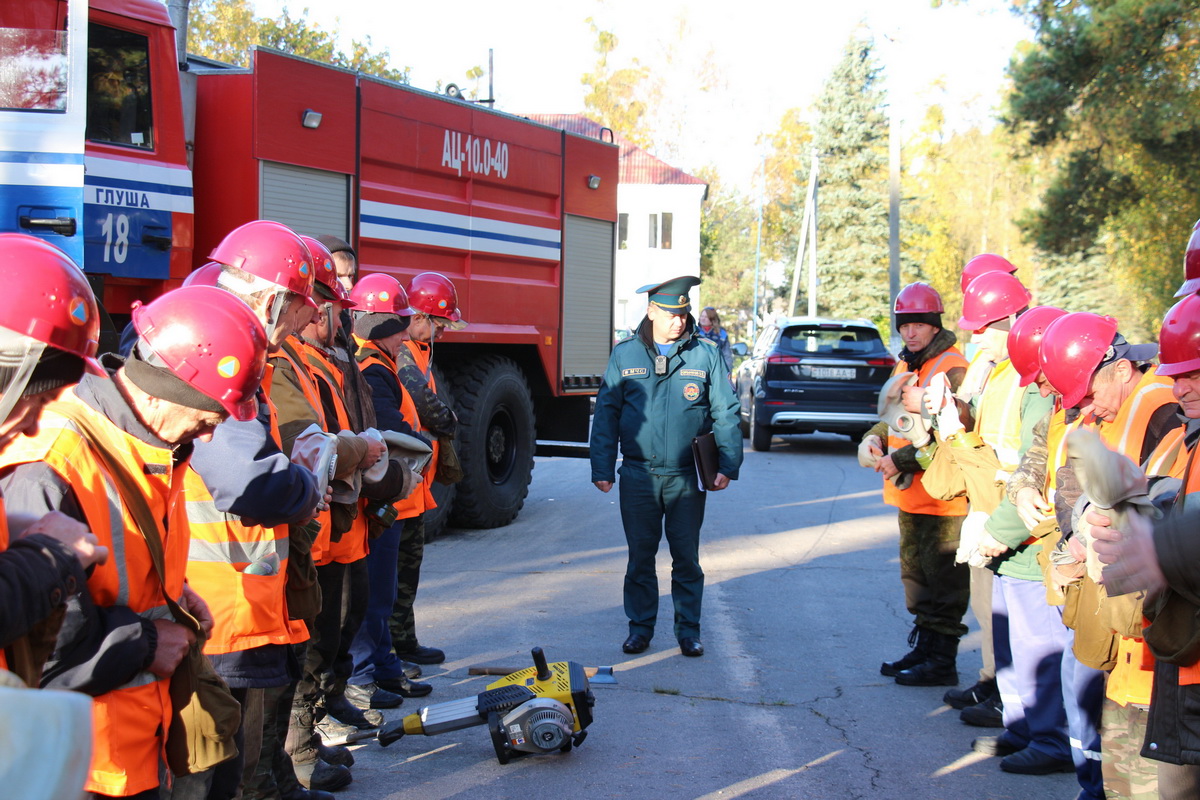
<point>1029,641</point>
<point>981,607</point>
<point>371,649</point>
<point>652,505</point>
<point>409,556</point>
<point>937,591</point>
<point>1083,700</point>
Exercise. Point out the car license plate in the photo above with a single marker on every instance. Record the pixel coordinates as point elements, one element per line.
<point>834,373</point>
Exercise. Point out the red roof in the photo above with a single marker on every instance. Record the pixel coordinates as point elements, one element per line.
<point>637,166</point>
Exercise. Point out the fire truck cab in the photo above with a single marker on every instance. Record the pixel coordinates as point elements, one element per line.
<point>136,165</point>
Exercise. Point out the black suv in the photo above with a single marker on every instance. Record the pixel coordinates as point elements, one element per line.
<point>811,374</point>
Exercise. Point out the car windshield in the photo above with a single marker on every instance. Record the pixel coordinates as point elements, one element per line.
<point>817,339</point>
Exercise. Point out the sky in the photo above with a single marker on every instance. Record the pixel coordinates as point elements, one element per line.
<point>770,56</point>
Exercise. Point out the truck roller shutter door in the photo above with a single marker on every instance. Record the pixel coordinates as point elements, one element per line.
<point>310,201</point>
<point>587,301</point>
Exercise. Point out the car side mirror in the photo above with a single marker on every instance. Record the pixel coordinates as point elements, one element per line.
<point>739,348</point>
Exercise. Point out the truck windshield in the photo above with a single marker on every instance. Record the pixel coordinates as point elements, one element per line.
<point>118,109</point>
<point>33,69</point>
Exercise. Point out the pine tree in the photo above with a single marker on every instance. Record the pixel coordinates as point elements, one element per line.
<point>851,137</point>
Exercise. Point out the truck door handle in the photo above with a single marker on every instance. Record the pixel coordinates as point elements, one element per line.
<point>156,240</point>
<point>62,225</point>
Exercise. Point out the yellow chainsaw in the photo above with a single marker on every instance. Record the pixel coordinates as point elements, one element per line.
<point>536,710</point>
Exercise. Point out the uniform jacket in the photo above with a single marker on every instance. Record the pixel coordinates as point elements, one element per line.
<point>654,417</point>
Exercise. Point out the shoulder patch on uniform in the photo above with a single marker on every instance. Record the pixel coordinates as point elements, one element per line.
<point>693,373</point>
<point>634,372</point>
<point>707,341</point>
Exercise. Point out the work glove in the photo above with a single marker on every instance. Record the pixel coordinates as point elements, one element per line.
<point>869,451</point>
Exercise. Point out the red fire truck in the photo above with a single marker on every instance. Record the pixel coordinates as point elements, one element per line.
<point>137,164</point>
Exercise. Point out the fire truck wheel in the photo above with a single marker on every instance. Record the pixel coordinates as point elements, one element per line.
<point>496,441</point>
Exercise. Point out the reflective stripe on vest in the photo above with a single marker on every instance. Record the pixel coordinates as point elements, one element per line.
<point>914,499</point>
<point>998,419</point>
<point>352,545</point>
<point>369,355</point>
<point>127,721</point>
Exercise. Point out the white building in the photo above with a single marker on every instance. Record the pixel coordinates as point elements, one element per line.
<point>658,232</point>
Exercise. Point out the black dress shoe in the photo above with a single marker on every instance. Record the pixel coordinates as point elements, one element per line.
<point>422,655</point>
<point>995,746</point>
<point>347,713</point>
<point>965,698</point>
<point>318,775</point>
<point>411,670</point>
<point>1035,762</point>
<point>988,714</point>
<point>370,695</point>
<point>636,643</point>
<point>404,687</point>
<point>690,646</point>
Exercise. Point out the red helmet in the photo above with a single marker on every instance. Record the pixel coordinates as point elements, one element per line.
<point>325,272</point>
<point>378,293</point>
<point>1191,264</point>
<point>432,293</point>
<point>982,264</point>
<point>48,298</point>
<point>918,298</point>
<point>271,251</point>
<point>991,297</point>
<point>1024,338</point>
<point>1072,347</point>
<point>1179,338</point>
<point>209,339</point>
<point>205,276</point>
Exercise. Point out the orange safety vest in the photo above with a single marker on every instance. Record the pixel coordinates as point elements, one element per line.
<point>289,351</point>
<point>1169,458</point>
<point>422,354</point>
<point>128,722</point>
<point>998,418</point>
<point>248,610</point>
<point>1132,678</point>
<point>914,499</point>
<point>1126,434</point>
<point>368,354</point>
<point>352,546</point>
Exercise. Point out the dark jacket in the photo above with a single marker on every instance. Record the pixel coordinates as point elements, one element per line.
<point>654,417</point>
<point>37,575</point>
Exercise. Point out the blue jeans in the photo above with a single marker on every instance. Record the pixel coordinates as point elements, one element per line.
<point>371,649</point>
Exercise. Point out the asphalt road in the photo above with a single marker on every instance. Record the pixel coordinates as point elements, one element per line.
<point>802,603</point>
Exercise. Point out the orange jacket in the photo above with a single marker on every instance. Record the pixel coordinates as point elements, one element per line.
<point>368,355</point>
<point>914,499</point>
<point>422,354</point>
<point>129,721</point>
<point>352,545</point>
<point>291,352</point>
<point>248,609</point>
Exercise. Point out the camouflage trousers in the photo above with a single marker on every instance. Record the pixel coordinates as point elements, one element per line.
<point>1127,774</point>
<point>401,624</point>
<point>936,590</point>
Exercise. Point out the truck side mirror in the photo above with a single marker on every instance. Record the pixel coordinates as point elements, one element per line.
<point>739,348</point>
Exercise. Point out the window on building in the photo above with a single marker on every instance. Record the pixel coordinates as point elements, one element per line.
<point>653,241</point>
<point>666,229</point>
<point>622,231</point>
<point>119,88</point>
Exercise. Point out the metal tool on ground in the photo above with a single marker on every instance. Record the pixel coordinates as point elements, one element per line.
<point>595,675</point>
<point>535,710</point>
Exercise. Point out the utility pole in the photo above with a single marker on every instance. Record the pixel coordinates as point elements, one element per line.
<point>762,181</point>
<point>808,228</point>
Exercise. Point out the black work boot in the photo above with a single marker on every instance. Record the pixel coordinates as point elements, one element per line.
<point>939,669</point>
<point>974,695</point>
<point>918,640</point>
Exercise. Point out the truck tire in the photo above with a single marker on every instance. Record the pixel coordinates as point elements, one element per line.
<point>760,435</point>
<point>496,441</point>
<point>437,519</point>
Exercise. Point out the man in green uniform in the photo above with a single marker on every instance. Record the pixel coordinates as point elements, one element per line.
<point>664,385</point>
